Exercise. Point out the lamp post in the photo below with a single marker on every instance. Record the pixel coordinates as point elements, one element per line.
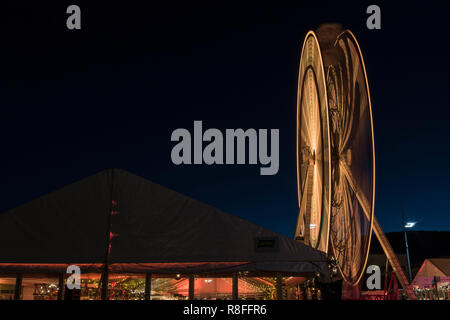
<point>407,225</point>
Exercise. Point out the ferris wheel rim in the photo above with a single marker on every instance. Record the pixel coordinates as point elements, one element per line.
<point>372,205</point>
<point>325,213</point>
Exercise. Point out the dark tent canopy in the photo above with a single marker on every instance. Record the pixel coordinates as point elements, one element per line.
<point>146,227</point>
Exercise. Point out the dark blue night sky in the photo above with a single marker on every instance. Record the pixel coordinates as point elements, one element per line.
<point>76,102</point>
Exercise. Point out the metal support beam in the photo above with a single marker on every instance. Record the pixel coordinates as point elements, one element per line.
<point>148,286</point>
<point>390,254</point>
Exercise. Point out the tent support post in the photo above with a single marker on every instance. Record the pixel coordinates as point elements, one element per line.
<point>148,285</point>
<point>191,287</point>
<point>18,287</point>
<point>234,290</point>
<point>60,286</point>
<point>279,286</point>
<point>104,279</point>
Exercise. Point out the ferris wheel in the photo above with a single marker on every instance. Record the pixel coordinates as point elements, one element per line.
<point>336,153</point>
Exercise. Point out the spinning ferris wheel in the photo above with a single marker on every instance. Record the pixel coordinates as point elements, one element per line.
<point>336,153</point>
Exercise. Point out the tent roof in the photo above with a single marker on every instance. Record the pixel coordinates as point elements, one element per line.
<point>442,264</point>
<point>430,269</point>
<point>152,226</point>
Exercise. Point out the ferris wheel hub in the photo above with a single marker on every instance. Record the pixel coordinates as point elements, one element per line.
<point>308,156</point>
<point>346,157</point>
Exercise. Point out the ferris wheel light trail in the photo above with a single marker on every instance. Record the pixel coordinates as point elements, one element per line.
<point>336,154</point>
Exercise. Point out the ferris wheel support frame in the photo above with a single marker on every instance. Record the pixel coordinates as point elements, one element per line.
<point>390,254</point>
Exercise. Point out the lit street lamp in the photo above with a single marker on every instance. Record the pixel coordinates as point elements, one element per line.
<point>410,225</point>
<point>407,225</point>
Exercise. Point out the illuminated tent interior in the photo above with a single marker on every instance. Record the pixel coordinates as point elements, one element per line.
<point>432,281</point>
<point>149,242</point>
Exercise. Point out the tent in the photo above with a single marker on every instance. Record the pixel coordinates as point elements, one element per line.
<point>432,281</point>
<point>130,224</point>
<point>432,271</point>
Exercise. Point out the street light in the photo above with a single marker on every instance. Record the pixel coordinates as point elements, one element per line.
<point>407,225</point>
<point>410,224</point>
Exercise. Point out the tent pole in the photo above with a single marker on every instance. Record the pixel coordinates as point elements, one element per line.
<point>112,203</point>
<point>148,285</point>
<point>61,286</point>
<point>104,286</point>
<point>18,287</point>
<point>234,290</point>
<point>191,287</point>
<point>279,286</point>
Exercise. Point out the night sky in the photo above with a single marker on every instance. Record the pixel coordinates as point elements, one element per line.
<point>109,95</point>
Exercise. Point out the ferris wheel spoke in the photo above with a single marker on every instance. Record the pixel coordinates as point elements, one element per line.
<point>301,221</point>
<point>305,135</point>
<point>350,76</point>
<point>303,190</point>
<point>351,231</point>
<point>344,130</point>
<point>305,125</point>
<point>355,63</point>
<point>318,184</point>
<point>364,203</point>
